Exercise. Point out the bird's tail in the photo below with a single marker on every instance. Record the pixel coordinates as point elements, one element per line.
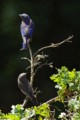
<point>34,101</point>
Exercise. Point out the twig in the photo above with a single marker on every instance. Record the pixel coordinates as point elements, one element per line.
<point>66,40</point>
<point>25,58</point>
<point>53,45</point>
<point>34,65</point>
<point>40,66</point>
<point>28,67</point>
<point>49,101</point>
<point>25,102</point>
<point>39,57</point>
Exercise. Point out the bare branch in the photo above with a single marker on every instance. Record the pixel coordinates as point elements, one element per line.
<point>35,60</point>
<point>40,57</point>
<point>25,101</point>
<point>40,66</point>
<point>29,67</point>
<point>32,65</point>
<point>25,58</point>
<point>66,40</point>
<point>53,45</point>
<point>49,101</point>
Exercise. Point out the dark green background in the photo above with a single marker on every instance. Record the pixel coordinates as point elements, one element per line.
<point>54,20</point>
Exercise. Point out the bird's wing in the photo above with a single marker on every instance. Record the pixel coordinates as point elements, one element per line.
<point>25,87</point>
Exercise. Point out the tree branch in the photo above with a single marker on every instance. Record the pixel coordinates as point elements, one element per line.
<point>25,58</point>
<point>49,101</point>
<point>37,63</point>
<point>40,66</point>
<point>32,65</point>
<point>34,60</point>
<point>53,45</point>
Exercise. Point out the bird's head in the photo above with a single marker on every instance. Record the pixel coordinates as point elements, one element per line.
<point>25,18</point>
<point>22,75</point>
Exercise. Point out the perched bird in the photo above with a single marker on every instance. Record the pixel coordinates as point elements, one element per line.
<point>26,88</point>
<point>26,29</point>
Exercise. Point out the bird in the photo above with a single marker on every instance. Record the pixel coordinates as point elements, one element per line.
<point>26,88</point>
<point>26,29</point>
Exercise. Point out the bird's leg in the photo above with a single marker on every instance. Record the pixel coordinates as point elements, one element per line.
<point>25,101</point>
<point>36,92</point>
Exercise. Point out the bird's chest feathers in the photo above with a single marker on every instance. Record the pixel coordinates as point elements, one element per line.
<point>24,28</point>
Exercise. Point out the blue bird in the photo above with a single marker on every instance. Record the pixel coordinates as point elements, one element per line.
<point>26,88</point>
<point>26,29</point>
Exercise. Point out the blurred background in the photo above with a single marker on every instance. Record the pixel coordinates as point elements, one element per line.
<point>54,21</point>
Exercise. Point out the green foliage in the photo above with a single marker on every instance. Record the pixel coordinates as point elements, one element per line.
<point>19,113</point>
<point>16,113</point>
<point>43,111</point>
<point>68,84</point>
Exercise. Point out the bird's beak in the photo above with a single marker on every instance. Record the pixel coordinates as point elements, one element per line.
<point>20,15</point>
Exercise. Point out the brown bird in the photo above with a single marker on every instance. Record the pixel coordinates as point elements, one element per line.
<point>26,88</point>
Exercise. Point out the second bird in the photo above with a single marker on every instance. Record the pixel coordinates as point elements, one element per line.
<point>26,88</point>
